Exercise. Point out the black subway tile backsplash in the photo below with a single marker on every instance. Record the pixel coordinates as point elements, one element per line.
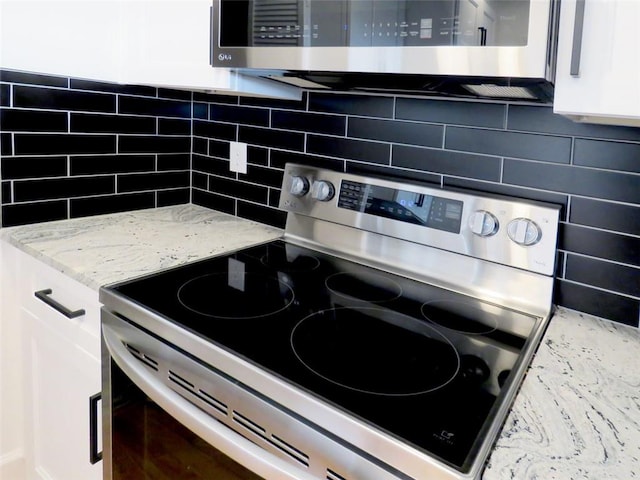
<point>214,201</point>
<point>364,105</point>
<point>609,155</point>
<point>33,120</point>
<point>258,117</point>
<point>29,190</point>
<point>6,143</point>
<point>96,123</point>
<point>23,213</point>
<point>73,147</point>
<point>606,275</point>
<point>364,151</point>
<point>239,190</point>
<point>482,167</point>
<point>83,207</point>
<point>411,133</point>
<point>33,78</point>
<point>309,122</point>
<point>530,118</point>
<point>172,126</point>
<point>153,106</point>
<point>177,196</point>
<point>152,181</point>
<point>222,131</point>
<point>174,161</point>
<point>5,192</point>
<point>153,143</point>
<point>601,244</point>
<point>597,302</point>
<point>606,215</point>
<point>490,115</point>
<point>59,99</point>
<point>5,92</point>
<point>57,144</point>
<point>12,168</point>
<point>572,179</point>
<point>103,164</point>
<point>509,144</point>
<point>271,138</point>
<point>91,85</point>
<point>259,213</point>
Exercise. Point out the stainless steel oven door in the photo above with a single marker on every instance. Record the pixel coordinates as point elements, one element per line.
<point>152,432</point>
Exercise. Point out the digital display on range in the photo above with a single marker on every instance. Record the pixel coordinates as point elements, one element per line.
<point>405,206</point>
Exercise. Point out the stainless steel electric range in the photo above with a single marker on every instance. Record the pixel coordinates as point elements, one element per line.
<point>384,336</point>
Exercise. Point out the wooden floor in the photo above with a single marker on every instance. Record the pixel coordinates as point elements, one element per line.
<point>150,445</point>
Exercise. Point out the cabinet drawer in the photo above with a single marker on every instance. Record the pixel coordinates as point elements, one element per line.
<point>49,293</point>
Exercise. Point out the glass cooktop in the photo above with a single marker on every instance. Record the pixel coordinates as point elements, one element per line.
<point>421,363</point>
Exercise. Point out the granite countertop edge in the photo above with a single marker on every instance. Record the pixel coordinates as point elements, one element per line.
<point>576,415</point>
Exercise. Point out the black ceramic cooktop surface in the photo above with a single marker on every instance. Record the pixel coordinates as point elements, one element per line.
<point>414,360</point>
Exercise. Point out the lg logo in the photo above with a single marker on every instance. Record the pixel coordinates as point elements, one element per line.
<point>223,57</point>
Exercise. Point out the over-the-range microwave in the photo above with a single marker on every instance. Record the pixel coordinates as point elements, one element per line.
<point>357,43</point>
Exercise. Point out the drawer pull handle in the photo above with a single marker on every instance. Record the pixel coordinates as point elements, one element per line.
<point>44,296</point>
<point>94,455</point>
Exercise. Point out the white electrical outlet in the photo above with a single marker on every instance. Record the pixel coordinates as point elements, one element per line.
<point>238,157</point>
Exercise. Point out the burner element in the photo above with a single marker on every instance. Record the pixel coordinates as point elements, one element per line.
<point>366,287</point>
<point>461,316</point>
<point>375,351</point>
<point>227,295</point>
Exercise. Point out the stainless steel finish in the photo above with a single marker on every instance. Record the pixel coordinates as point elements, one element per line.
<point>576,49</point>
<point>539,258</point>
<point>247,428</point>
<point>299,186</point>
<point>524,231</point>
<point>528,61</point>
<point>501,278</point>
<point>483,223</point>
<point>322,190</point>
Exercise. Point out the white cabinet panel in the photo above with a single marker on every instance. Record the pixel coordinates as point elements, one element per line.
<point>62,37</point>
<point>11,399</point>
<point>56,363</point>
<point>607,87</point>
<point>143,42</point>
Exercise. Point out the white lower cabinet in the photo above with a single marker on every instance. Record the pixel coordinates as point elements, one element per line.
<point>59,360</point>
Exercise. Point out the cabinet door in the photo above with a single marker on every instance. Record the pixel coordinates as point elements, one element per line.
<point>168,43</point>
<point>60,372</point>
<point>62,376</point>
<point>62,37</point>
<point>606,86</point>
<point>11,398</point>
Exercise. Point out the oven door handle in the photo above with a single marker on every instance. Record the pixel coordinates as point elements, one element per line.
<point>208,428</point>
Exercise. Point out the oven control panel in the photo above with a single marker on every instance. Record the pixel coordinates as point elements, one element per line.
<point>502,229</point>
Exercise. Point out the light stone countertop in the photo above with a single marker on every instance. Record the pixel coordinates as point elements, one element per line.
<point>110,248</point>
<point>576,417</point>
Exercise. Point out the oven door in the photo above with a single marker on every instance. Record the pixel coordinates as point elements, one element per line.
<point>152,432</point>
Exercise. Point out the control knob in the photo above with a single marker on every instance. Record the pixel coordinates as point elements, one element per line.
<point>322,190</point>
<point>299,186</point>
<point>524,231</point>
<point>483,223</point>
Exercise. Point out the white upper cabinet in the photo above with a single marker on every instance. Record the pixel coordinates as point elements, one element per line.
<point>145,42</point>
<point>598,80</point>
<point>61,37</point>
<point>168,42</point>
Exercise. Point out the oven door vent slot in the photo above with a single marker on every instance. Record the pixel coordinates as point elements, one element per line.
<point>250,425</point>
<point>331,475</point>
<point>144,358</point>
<point>290,450</point>
<point>174,377</point>
<point>213,402</point>
<point>198,393</point>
